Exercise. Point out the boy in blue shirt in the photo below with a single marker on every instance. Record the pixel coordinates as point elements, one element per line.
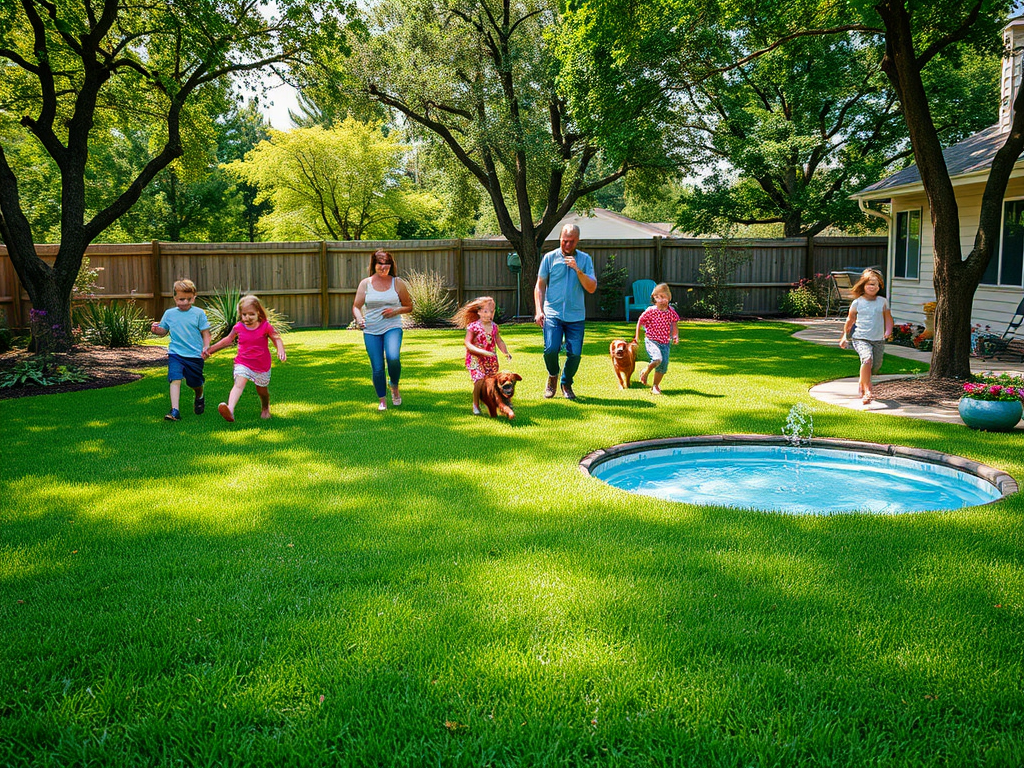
<point>190,339</point>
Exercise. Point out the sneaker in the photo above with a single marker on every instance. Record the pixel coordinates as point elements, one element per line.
<point>567,391</point>
<point>655,390</point>
<point>382,406</point>
<point>174,415</point>
<point>224,410</point>
<point>200,405</point>
<point>549,390</point>
<point>396,399</point>
<point>476,411</point>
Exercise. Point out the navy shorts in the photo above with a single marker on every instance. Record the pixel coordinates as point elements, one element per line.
<point>188,368</point>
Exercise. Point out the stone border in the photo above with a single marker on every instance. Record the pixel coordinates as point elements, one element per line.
<point>1003,482</point>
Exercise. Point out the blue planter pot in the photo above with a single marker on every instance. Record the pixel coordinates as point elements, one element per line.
<point>993,416</point>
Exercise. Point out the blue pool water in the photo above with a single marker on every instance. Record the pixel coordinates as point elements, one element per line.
<point>794,480</point>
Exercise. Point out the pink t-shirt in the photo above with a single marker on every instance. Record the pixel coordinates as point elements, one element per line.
<point>253,351</point>
<point>657,323</point>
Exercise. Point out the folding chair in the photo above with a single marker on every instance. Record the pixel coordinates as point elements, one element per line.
<point>840,291</point>
<point>641,298</point>
<point>1007,344</point>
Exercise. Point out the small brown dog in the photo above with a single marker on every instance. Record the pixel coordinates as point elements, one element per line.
<point>623,360</point>
<point>496,392</point>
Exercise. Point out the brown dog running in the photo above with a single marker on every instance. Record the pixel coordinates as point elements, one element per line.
<point>623,360</point>
<point>496,392</point>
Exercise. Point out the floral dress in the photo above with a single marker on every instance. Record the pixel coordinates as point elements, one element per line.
<point>479,367</point>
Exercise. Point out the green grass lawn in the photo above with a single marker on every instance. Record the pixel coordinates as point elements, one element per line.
<point>425,587</point>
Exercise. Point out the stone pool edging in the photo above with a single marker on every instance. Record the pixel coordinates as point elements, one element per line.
<point>1004,483</point>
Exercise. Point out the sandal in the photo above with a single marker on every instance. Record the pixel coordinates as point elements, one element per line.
<point>225,411</point>
<point>395,399</point>
<point>867,399</point>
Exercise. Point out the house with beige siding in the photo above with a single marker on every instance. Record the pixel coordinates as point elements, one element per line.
<point>911,260</point>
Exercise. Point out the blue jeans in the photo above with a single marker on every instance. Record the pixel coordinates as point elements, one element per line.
<point>554,331</point>
<point>388,345</point>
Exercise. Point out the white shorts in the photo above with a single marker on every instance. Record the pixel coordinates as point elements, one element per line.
<point>259,378</point>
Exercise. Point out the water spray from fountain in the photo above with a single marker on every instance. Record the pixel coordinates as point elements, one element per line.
<point>799,428</point>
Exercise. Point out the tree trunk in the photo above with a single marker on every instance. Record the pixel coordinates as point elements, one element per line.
<point>951,353</point>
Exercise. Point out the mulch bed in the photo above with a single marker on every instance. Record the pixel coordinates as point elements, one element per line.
<point>922,390</point>
<point>105,367</point>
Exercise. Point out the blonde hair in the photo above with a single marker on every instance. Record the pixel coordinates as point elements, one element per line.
<point>470,312</point>
<point>867,274</point>
<point>252,300</point>
<point>185,286</point>
<point>662,288</point>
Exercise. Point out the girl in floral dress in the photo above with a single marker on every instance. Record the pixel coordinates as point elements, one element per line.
<point>482,339</point>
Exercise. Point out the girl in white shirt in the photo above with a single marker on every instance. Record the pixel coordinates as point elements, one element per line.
<point>870,313</point>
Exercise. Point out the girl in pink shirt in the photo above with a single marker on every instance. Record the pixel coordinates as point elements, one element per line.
<point>252,363</point>
<point>661,326</point>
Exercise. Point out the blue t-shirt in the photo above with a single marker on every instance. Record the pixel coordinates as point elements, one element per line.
<point>564,296</point>
<point>186,329</point>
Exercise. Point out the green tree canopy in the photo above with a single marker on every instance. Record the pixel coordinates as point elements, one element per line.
<point>345,183</point>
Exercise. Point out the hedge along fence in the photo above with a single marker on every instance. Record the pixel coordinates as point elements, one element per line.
<point>314,282</point>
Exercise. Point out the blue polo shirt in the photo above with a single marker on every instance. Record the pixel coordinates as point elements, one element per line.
<point>186,331</point>
<point>564,296</point>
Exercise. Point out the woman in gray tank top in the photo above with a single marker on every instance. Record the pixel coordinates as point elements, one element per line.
<point>381,300</point>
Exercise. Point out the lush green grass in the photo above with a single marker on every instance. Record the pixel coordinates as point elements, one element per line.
<point>338,586</point>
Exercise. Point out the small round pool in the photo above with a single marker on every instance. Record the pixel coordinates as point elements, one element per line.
<point>824,477</point>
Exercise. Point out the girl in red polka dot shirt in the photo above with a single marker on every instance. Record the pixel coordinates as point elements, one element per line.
<point>661,327</point>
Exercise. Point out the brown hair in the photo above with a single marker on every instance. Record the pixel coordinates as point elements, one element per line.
<point>391,260</point>
<point>867,274</point>
<point>252,300</point>
<point>662,288</point>
<point>185,286</point>
<point>470,312</point>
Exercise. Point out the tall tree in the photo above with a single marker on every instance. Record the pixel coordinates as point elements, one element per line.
<point>65,65</point>
<point>346,183</point>
<point>483,77</point>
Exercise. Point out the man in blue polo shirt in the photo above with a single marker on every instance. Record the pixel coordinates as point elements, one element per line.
<point>564,275</point>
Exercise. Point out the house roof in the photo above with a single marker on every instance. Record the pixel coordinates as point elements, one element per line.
<point>973,155</point>
<point>602,224</point>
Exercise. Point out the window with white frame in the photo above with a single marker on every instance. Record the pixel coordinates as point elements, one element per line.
<point>1007,266</point>
<point>907,258</point>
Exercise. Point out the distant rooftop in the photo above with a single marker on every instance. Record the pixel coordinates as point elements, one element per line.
<point>603,224</point>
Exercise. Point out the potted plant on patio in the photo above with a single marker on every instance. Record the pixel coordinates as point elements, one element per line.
<point>993,403</point>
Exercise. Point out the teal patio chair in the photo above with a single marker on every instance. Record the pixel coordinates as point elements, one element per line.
<point>641,298</point>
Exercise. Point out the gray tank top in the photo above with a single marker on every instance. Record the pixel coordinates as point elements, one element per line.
<point>375,303</point>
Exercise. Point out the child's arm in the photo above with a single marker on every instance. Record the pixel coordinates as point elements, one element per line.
<point>474,349</point>
<point>639,325</point>
<point>888,321</point>
<point>851,318</point>
<point>675,331</point>
<point>207,337</point>
<point>500,344</point>
<point>157,330</point>
<point>279,343</point>
<point>219,345</point>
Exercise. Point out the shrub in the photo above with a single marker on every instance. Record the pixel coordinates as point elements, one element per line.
<point>611,286</point>
<point>222,311</point>
<point>432,305</point>
<point>807,298</point>
<point>40,371</point>
<point>113,325</point>
<point>718,298</point>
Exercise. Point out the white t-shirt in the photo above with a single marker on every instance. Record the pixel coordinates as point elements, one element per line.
<point>870,318</point>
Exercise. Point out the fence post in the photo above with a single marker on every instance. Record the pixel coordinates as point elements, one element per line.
<point>658,266</point>
<point>460,278</point>
<point>325,292</point>
<point>154,275</point>
<point>809,259</point>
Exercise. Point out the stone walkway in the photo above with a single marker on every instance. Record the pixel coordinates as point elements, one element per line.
<point>843,392</point>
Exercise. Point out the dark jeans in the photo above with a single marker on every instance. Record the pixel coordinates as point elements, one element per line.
<point>388,345</point>
<point>554,332</point>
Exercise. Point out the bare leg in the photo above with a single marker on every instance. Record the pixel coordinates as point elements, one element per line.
<point>865,382</point>
<point>264,393</point>
<point>236,393</point>
<point>647,371</point>
<point>658,376</point>
<point>175,393</point>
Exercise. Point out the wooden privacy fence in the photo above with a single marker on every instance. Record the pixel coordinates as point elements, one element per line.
<point>314,282</point>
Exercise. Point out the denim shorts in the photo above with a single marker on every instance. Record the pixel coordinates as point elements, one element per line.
<point>870,351</point>
<point>658,353</point>
<point>188,368</point>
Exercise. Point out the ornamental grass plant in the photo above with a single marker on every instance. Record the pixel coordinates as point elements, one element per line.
<point>338,586</point>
